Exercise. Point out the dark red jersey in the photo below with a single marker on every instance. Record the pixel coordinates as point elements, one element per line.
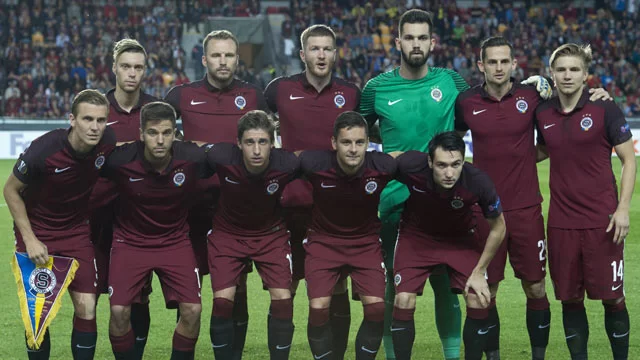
<point>126,124</point>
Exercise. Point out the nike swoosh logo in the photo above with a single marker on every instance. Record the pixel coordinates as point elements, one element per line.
<point>327,186</point>
<point>291,97</point>
<point>418,190</point>
<point>134,180</point>
<point>398,329</point>
<point>58,171</point>
<point>278,347</point>
<point>391,103</point>
<point>367,350</point>
<point>197,102</point>
<point>479,111</point>
<point>570,336</point>
<point>617,336</point>
<point>483,331</point>
<point>544,326</point>
<point>85,347</point>
<point>111,123</point>
<point>243,323</point>
<point>318,357</point>
<point>226,178</point>
<point>141,338</point>
<point>548,126</point>
<point>218,346</point>
<point>614,288</point>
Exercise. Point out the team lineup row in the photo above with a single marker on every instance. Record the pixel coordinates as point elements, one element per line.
<point>429,197</point>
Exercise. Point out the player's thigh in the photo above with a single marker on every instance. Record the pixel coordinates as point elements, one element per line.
<point>527,244</point>
<point>323,269</point>
<point>460,265</point>
<point>86,277</point>
<point>495,270</point>
<point>273,261</point>
<point>603,265</point>
<point>410,270</point>
<point>179,275</point>
<point>128,273</point>
<point>368,273</point>
<point>227,259</point>
<point>565,262</point>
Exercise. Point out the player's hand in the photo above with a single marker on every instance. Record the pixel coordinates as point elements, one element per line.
<point>599,94</point>
<point>37,251</point>
<point>541,84</point>
<point>478,283</point>
<point>619,222</point>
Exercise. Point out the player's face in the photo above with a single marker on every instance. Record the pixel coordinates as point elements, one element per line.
<point>351,147</point>
<point>256,147</point>
<point>319,55</point>
<point>569,74</point>
<point>89,123</point>
<point>447,166</point>
<point>129,70</point>
<point>415,44</point>
<point>497,65</point>
<point>221,60</point>
<point>158,136</point>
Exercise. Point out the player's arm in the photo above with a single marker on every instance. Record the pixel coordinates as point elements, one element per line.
<point>173,99</point>
<point>620,218</point>
<point>541,146</point>
<point>36,249</point>
<point>459,123</point>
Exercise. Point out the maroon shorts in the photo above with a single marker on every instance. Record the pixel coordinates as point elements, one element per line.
<point>329,259</point>
<point>297,200</point>
<point>524,242</point>
<point>132,266</point>
<point>229,256</point>
<point>585,260</point>
<point>418,255</point>
<point>200,218</point>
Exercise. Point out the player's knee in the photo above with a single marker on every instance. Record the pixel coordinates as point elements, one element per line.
<point>534,290</point>
<point>473,302</point>
<point>280,294</point>
<point>120,317</point>
<point>320,303</point>
<point>190,313</point>
<point>374,311</point>
<point>405,301</point>
<point>84,305</point>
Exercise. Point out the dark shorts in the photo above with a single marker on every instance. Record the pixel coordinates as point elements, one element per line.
<point>524,242</point>
<point>230,255</point>
<point>330,259</point>
<point>176,268</point>
<point>297,200</point>
<point>585,260</point>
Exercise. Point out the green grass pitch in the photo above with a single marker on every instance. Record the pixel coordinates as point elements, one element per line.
<point>511,303</point>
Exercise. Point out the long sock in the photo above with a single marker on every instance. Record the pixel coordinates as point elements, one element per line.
<point>539,326</point>
<point>616,323</point>
<point>403,332</point>
<point>43,352</point>
<point>476,329</point>
<point>388,234</point>
<point>370,333</point>
<point>83,338</point>
<point>576,329</point>
<point>123,346</point>
<point>221,328</point>
<point>183,347</point>
<point>448,315</point>
<point>340,320</point>
<point>140,322</point>
<point>319,333</point>
<point>280,329</point>
<point>240,323</point>
<point>492,349</point>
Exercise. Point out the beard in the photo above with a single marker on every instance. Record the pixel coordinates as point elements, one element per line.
<point>221,79</point>
<point>414,62</point>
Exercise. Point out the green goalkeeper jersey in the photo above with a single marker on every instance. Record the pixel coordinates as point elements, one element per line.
<point>410,113</point>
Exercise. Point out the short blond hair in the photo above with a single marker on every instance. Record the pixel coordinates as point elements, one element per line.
<point>89,96</point>
<point>580,51</point>
<point>128,45</point>
<point>219,35</point>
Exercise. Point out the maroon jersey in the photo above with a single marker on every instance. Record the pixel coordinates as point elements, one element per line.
<point>249,204</point>
<point>583,187</point>
<point>449,213</point>
<point>503,141</point>
<point>306,116</point>
<point>126,124</point>
<point>59,181</point>
<point>346,206</point>
<point>152,209</point>
<point>210,114</point>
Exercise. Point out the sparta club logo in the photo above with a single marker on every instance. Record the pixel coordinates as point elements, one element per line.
<point>240,102</point>
<point>179,178</point>
<point>457,203</point>
<point>586,123</point>
<point>272,188</point>
<point>99,161</point>
<point>42,281</point>
<point>371,187</point>
<point>110,291</point>
<point>522,106</point>
<point>339,100</point>
<point>436,94</point>
<point>397,279</point>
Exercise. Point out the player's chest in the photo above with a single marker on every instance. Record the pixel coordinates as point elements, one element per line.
<point>170,187</point>
<point>415,105</point>
<point>362,189</point>
<point>200,105</point>
<point>67,172</point>
<point>505,118</point>
<point>298,104</point>
<point>566,132</point>
<point>429,200</point>
<point>235,183</point>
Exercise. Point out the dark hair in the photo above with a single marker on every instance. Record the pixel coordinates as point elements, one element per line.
<point>416,16</point>
<point>447,141</point>
<point>256,119</point>
<point>494,41</point>
<point>89,96</point>
<point>157,110</point>
<point>316,30</point>
<point>347,120</point>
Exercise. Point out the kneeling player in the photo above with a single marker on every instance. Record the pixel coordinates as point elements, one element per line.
<point>155,177</point>
<point>343,236</point>
<point>437,229</point>
<point>248,225</point>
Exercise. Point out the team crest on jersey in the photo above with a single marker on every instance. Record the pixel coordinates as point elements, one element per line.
<point>22,167</point>
<point>436,94</point>
<point>371,187</point>
<point>110,291</point>
<point>522,105</point>
<point>240,102</point>
<point>586,123</point>
<point>272,188</point>
<point>339,100</point>
<point>179,178</point>
<point>457,202</point>
<point>42,281</point>
<point>397,279</point>
<point>99,161</point>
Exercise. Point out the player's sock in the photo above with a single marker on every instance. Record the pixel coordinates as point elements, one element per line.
<point>340,320</point>
<point>576,329</point>
<point>240,323</point>
<point>319,333</point>
<point>389,235</point>
<point>183,347</point>
<point>280,329</point>
<point>123,346</point>
<point>221,328</point>
<point>140,322</point>
<point>370,332</point>
<point>476,329</point>
<point>616,323</point>
<point>492,350</point>
<point>448,315</point>
<point>539,325</point>
<point>403,331</point>
<point>43,352</point>
<point>83,338</point>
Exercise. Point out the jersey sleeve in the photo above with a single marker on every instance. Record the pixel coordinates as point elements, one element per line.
<point>198,154</point>
<point>173,99</point>
<point>536,123</point>
<point>460,124</point>
<point>367,102</point>
<point>271,95</point>
<point>109,137</point>
<point>488,198</point>
<point>30,165</point>
<point>408,163</point>
<point>459,82</point>
<point>384,163</point>
<point>617,128</point>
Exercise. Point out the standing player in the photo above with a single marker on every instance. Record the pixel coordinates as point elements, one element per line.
<point>342,240</point>
<point>587,222</point>
<point>248,226</point>
<point>156,178</point>
<point>125,102</point>
<point>210,109</point>
<point>307,105</point>
<point>48,197</point>
<point>437,228</point>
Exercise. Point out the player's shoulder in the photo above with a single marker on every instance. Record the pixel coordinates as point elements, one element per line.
<point>340,82</point>
<point>547,105</point>
<point>381,79</point>
<point>284,160</point>
<point>124,154</point>
<point>147,98</point>
<point>286,80</point>
<point>223,153</point>
<point>412,161</point>
<point>444,72</point>
<point>46,144</point>
<point>247,86</point>
<point>475,179</point>
<point>190,85</point>
<point>382,162</point>
<point>470,93</point>
<point>316,160</point>
<point>188,150</point>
